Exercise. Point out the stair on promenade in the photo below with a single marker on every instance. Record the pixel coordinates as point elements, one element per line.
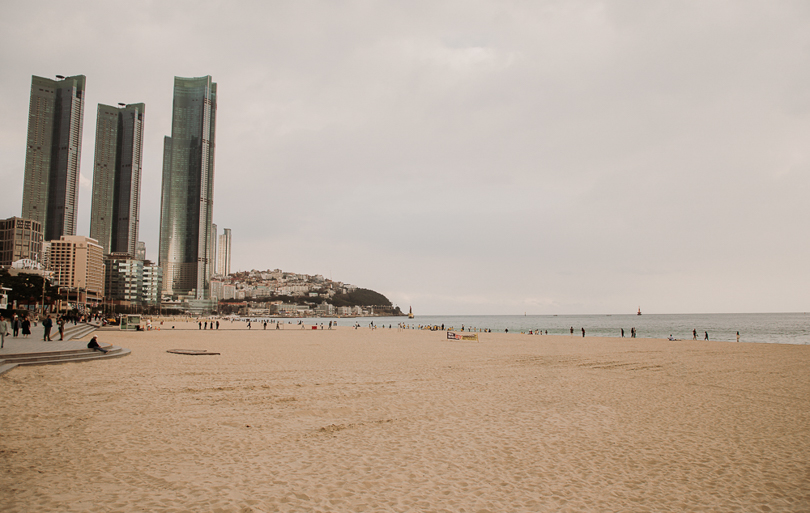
<point>41,354</point>
<point>78,331</point>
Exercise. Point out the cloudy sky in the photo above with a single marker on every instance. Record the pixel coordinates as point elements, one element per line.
<point>476,157</point>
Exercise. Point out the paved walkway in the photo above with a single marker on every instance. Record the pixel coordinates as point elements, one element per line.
<point>35,344</point>
<point>21,345</point>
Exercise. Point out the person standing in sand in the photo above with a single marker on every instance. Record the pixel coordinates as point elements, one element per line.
<point>694,334</point>
<point>706,335</point>
<point>622,332</point>
<point>738,337</point>
<point>572,331</point>
<point>583,332</point>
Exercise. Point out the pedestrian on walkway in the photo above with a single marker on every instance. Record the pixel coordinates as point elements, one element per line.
<point>26,327</point>
<point>61,323</point>
<point>3,331</point>
<point>47,324</point>
<point>15,326</point>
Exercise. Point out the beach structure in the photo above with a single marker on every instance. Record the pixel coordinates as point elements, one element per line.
<point>117,177</point>
<point>53,154</point>
<point>187,193</point>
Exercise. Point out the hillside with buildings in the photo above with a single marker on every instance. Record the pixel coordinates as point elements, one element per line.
<point>277,292</point>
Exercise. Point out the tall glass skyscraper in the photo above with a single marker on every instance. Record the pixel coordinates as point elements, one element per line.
<point>117,178</point>
<point>187,194</point>
<point>53,154</point>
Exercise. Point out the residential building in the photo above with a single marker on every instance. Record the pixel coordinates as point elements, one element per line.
<point>152,283</point>
<point>187,194</point>
<point>224,257</point>
<point>20,239</point>
<point>53,154</point>
<point>140,250</point>
<point>217,288</point>
<point>117,177</point>
<point>213,256</point>
<point>123,279</point>
<point>78,263</point>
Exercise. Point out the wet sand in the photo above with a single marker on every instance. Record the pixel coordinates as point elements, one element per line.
<point>388,420</point>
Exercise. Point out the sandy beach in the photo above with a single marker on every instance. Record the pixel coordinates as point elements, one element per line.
<point>388,420</point>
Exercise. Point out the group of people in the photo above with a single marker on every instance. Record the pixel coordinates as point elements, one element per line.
<point>204,326</point>
<point>21,325</point>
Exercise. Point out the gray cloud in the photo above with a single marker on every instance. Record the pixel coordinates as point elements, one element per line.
<point>475,157</point>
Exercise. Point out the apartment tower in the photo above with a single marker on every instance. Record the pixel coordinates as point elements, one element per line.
<point>224,257</point>
<point>117,177</point>
<point>53,154</point>
<point>187,194</point>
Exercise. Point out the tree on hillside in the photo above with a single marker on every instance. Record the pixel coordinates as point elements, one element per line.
<point>360,297</point>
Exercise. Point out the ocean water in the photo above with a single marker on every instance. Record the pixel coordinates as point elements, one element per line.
<point>776,328</point>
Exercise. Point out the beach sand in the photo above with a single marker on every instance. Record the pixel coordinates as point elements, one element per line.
<point>387,420</point>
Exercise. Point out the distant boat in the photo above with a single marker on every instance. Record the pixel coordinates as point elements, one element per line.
<point>639,311</point>
<point>410,312</point>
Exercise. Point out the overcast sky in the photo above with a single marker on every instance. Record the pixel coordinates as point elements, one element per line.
<point>475,157</point>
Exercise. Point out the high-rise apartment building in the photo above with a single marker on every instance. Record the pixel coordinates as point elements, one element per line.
<point>78,263</point>
<point>53,154</point>
<point>20,239</point>
<point>214,249</point>
<point>117,177</point>
<point>224,257</point>
<point>140,250</point>
<point>187,194</point>
<point>123,279</point>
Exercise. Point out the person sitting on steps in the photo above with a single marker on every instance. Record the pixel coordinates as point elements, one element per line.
<point>93,344</point>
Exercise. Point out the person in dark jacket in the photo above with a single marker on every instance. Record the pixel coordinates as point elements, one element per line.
<point>93,344</point>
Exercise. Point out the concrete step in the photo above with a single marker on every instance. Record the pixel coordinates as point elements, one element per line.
<point>78,331</point>
<point>5,367</point>
<point>65,352</point>
<point>60,356</point>
<point>117,352</point>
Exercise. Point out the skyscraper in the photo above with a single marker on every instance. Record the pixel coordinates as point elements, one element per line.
<point>187,195</point>
<point>224,257</point>
<point>53,154</point>
<point>117,177</point>
<point>214,249</point>
<point>140,250</point>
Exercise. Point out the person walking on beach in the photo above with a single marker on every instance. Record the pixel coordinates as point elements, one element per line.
<point>200,324</point>
<point>706,335</point>
<point>622,332</point>
<point>572,331</point>
<point>694,334</point>
<point>583,332</point>
<point>217,324</point>
<point>738,337</point>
